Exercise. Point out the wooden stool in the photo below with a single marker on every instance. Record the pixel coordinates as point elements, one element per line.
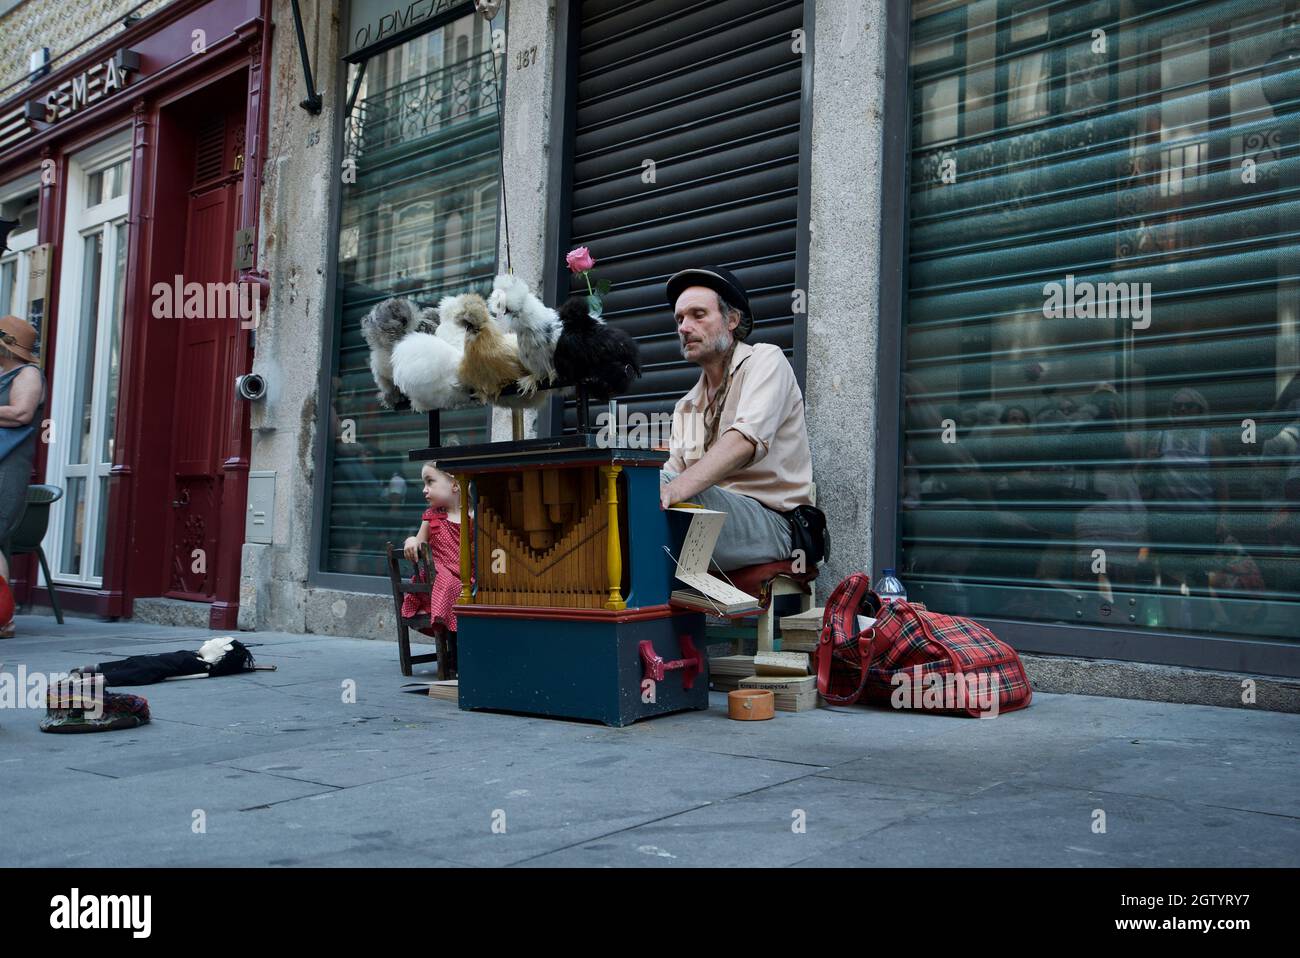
<point>767,581</point>
<point>420,623</point>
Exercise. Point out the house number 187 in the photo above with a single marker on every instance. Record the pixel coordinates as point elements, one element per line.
<point>525,58</point>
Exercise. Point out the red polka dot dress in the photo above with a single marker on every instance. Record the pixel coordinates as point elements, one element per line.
<point>444,544</point>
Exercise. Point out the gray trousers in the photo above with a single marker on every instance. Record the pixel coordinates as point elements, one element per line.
<point>752,534</point>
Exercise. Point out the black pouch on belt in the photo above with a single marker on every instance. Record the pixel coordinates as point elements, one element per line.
<point>808,533</point>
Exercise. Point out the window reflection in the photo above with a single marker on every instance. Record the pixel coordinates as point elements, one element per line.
<point>1102,384</point>
<point>419,221</point>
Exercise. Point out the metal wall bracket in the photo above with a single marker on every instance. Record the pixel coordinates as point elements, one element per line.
<point>313,102</point>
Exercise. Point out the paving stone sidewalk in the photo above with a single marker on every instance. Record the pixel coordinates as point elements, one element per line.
<point>286,773</point>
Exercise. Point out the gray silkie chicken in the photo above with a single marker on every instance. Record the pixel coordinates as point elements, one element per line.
<point>383,328</point>
<point>536,327</point>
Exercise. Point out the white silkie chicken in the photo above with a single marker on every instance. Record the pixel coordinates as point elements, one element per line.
<point>536,327</point>
<point>426,368</point>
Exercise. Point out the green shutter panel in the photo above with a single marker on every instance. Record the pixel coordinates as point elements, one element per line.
<point>1133,458</point>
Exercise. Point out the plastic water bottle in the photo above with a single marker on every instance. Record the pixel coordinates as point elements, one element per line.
<point>889,588</point>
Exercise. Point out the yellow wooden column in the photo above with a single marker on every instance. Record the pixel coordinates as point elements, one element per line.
<point>613,545</point>
<point>466,597</point>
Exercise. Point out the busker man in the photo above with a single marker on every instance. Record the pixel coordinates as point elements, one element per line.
<point>739,441</point>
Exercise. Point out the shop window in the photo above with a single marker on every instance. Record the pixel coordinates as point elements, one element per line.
<point>20,204</point>
<point>419,221</point>
<point>1027,88</point>
<point>1101,418</point>
<point>83,401</point>
<point>107,184</point>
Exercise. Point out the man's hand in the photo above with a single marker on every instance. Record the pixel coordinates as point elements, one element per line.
<point>667,498</point>
<point>732,450</point>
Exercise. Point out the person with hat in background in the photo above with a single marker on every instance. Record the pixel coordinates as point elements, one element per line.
<point>22,396</point>
<point>739,440</point>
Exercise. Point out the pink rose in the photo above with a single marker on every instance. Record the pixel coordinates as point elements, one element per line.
<point>580,260</point>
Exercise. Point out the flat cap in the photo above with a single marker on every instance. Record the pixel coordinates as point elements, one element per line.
<point>721,281</point>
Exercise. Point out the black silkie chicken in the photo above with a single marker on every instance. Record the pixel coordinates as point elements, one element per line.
<point>591,351</point>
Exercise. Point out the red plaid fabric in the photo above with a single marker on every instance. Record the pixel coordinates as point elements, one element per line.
<point>843,654</point>
<point>912,656</point>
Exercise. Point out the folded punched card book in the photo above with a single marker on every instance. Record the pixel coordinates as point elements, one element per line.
<point>707,592</point>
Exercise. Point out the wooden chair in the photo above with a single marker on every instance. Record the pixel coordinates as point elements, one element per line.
<point>420,623</point>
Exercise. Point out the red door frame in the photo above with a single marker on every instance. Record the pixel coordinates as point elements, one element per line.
<point>165,38</point>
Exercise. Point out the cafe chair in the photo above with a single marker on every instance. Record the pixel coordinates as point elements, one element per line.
<point>27,538</point>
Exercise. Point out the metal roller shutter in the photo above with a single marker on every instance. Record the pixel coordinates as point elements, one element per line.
<point>1068,459</point>
<point>710,93</point>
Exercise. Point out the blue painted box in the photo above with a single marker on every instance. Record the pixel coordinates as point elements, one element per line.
<point>589,668</point>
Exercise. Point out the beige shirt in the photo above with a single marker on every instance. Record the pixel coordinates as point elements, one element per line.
<point>765,405</point>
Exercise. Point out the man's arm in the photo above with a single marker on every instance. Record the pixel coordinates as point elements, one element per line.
<point>24,396</point>
<point>728,454</point>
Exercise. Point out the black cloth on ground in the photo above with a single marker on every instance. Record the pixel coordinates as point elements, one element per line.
<point>148,669</point>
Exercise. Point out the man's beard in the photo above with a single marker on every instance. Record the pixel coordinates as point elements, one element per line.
<point>720,344</point>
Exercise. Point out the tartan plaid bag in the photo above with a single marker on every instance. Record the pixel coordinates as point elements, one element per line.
<point>913,658</point>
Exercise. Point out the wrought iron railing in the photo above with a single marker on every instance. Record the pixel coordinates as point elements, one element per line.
<point>424,105</point>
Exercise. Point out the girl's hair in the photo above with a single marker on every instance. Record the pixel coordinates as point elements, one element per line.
<point>436,468</point>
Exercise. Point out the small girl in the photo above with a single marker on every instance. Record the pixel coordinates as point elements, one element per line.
<point>440,528</point>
